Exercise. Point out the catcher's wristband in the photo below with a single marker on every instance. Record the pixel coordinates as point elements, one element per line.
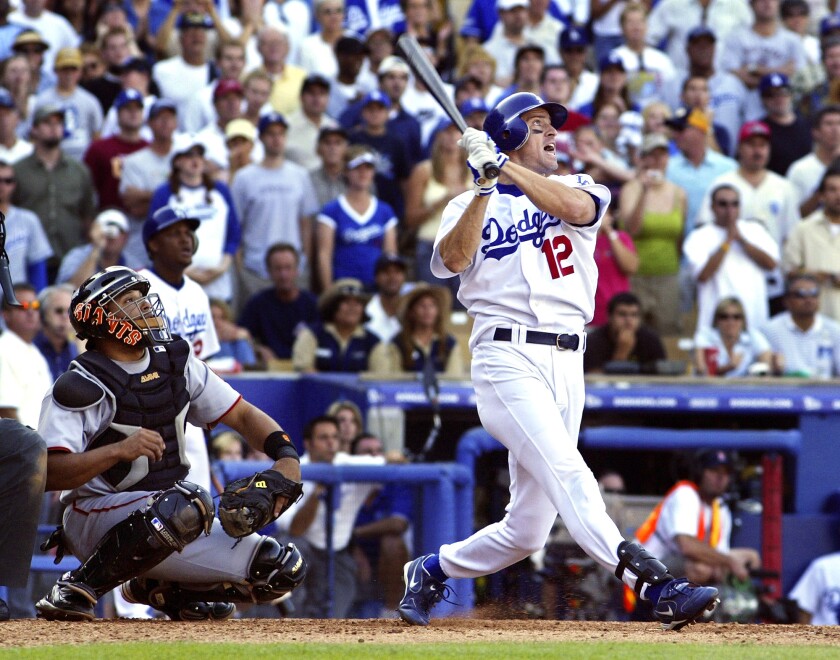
<point>279,445</point>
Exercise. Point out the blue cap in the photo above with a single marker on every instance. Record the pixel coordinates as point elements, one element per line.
<point>270,119</point>
<point>376,96</point>
<point>613,60</point>
<point>136,64</point>
<point>160,105</point>
<point>128,96</point>
<point>166,217</point>
<point>773,81</point>
<point>829,24</point>
<point>573,37</point>
<point>700,32</point>
<point>472,105</point>
<point>6,100</point>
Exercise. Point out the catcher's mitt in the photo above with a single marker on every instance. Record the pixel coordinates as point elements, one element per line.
<point>247,505</point>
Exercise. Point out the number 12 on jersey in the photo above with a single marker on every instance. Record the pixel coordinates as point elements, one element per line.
<point>556,251</point>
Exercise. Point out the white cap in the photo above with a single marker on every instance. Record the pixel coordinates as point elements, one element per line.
<point>184,142</point>
<point>112,219</point>
<point>392,64</point>
<point>366,158</point>
<point>502,5</point>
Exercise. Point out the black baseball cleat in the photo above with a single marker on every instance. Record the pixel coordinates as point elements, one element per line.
<point>164,598</point>
<point>682,602</point>
<point>67,601</point>
<point>5,615</point>
<point>422,593</point>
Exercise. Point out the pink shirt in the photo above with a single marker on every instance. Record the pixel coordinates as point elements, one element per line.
<point>610,278</point>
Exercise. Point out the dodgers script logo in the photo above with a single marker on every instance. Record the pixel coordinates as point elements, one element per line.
<point>500,241</point>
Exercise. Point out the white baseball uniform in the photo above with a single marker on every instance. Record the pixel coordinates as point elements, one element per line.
<point>531,271</point>
<point>187,311</point>
<point>95,507</point>
<point>818,590</point>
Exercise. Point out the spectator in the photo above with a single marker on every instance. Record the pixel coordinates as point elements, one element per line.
<point>379,533</point>
<point>544,30</point>
<point>12,147</point>
<point>236,350</point>
<point>607,122</point>
<point>425,22</point>
<point>190,188</point>
<point>143,172</point>
<point>114,49</point>
<point>227,446</point>
<point>816,592</point>
<point>8,31</point>
<point>347,87</point>
<point>812,247</point>
<point>674,21</point>
<point>424,341</point>
<point>17,78</point>
<point>796,17</point>
<point>328,179</point>
<point>617,261</point>
<point>380,44</point>
<point>790,135</point>
<point>287,79</point>
<point>257,86</point>
<point>692,525</point>
<point>824,91</point>
<point>55,187</point>
<point>108,238</point>
<point>306,521</point>
<point>227,104</point>
<point>199,111</point>
<point>730,348</point>
<point>504,42</point>
<point>730,257</point>
<point>432,184</point>
<point>340,342</point>
<point>348,416</point>
<point>306,123</point>
<point>26,243</point>
<point>474,111</point>
<point>240,138</point>
<point>806,173</point>
<point>650,72</point>
<point>317,54</point>
<point>574,44</point>
<point>82,112</point>
<point>555,85</point>
<point>476,62</point>
<point>93,66</point>
<point>623,339</point>
<point>695,94</point>
<point>275,315</point>
<point>799,335</point>
<point>259,190</point>
<point>354,229</point>
<point>56,30</point>
<point>362,17</point>
<point>389,277</point>
<point>55,340</point>
<point>597,160</point>
<point>24,373</point>
<point>696,166</point>
<point>528,64</point>
<point>104,156</point>
<point>612,87</point>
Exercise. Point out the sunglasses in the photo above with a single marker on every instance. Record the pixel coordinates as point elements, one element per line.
<point>730,317</point>
<point>8,180</point>
<point>805,293</point>
<point>725,203</point>
<point>29,305</point>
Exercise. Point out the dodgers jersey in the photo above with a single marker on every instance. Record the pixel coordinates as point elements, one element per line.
<point>187,312</point>
<point>530,268</point>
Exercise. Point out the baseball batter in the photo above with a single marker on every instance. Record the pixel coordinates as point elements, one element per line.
<point>114,424</point>
<point>523,246</point>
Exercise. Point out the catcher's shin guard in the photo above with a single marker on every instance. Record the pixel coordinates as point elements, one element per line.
<point>638,561</point>
<point>275,570</point>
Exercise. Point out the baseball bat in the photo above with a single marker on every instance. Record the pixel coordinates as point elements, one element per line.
<point>423,69</point>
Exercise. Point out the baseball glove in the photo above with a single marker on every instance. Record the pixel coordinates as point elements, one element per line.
<point>247,505</point>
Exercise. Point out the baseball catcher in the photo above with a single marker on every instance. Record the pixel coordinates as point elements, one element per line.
<point>114,424</point>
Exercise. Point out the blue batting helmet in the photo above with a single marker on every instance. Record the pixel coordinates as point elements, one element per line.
<point>505,126</point>
<point>165,217</point>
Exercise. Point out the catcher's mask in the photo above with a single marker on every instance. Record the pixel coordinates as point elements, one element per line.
<point>95,312</point>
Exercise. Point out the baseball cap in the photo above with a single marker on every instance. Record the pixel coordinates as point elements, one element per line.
<point>753,128</point>
<point>472,105</point>
<point>714,458</point>
<point>6,98</point>
<point>68,58</point>
<point>701,32</point>
<point>160,105</point>
<point>47,110</point>
<point>350,45</point>
<point>773,81</point>
<point>573,37</point>
<point>128,96</point>
<point>29,37</point>
<point>135,64</point>
<point>611,61</point>
<point>183,143</point>
<point>505,5</point>
<point>392,64</point>
<point>653,141</point>
<point>376,96</point>
<point>685,117</point>
<point>365,158</point>
<point>112,221</point>
<point>327,131</point>
<point>270,118</point>
<point>389,259</point>
<point>829,24</point>
<point>315,80</point>
<point>194,19</point>
<point>240,128</point>
<point>166,217</point>
<point>227,86</point>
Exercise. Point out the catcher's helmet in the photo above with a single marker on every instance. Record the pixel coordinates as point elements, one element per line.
<point>505,126</point>
<point>140,321</point>
<point>166,217</point>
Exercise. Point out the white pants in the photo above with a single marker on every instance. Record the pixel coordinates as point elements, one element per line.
<point>530,397</point>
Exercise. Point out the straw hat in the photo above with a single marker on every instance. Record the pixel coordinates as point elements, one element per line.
<point>341,289</point>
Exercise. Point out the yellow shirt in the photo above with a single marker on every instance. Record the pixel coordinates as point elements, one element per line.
<point>285,91</point>
<point>813,246</point>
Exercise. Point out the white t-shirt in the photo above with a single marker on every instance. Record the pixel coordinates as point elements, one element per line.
<point>530,268</point>
<point>18,151</point>
<point>316,56</point>
<point>24,377</point>
<point>655,82</point>
<point>585,90</point>
<point>179,81</point>
<point>54,28</point>
<point>381,324</point>
<point>805,174</point>
<point>818,590</point>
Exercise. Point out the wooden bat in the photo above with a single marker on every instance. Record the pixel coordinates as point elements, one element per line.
<point>421,66</point>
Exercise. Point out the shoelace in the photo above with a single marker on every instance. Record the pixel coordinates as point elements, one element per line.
<point>442,594</point>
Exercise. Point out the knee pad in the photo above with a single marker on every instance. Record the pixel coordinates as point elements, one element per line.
<point>647,568</point>
<point>275,570</point>
<point>180,514</point>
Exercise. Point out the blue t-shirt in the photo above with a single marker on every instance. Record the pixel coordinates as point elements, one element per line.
<point>275,323</point>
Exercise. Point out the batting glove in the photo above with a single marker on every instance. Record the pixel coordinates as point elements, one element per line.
<point>479,159</point>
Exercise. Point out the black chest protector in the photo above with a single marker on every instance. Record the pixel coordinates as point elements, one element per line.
<point>156,399</point>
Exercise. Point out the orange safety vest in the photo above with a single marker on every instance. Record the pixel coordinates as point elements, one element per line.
<point>648,527</point>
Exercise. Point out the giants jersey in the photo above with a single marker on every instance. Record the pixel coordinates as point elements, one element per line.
<point>187,312</point>
<point>530,268</point>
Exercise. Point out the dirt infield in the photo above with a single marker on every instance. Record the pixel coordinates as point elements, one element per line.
<point>38,633</point>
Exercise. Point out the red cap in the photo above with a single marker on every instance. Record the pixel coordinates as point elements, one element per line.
<point>227,86</point>
<point>752,128</point>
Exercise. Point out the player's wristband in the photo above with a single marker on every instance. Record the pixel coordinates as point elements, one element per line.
<point>279,445</point>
